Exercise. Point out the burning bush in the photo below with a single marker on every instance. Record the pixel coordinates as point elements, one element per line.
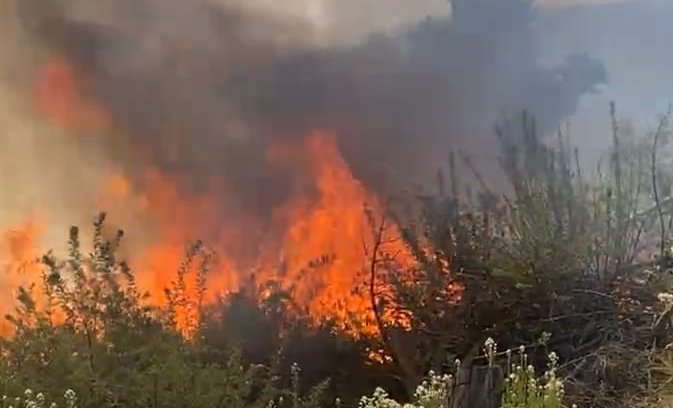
<point>91,330</point>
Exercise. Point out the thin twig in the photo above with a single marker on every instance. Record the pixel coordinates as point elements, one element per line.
<point>655,189</point>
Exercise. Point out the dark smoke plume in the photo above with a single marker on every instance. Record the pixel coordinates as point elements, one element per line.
<point>209,86</point>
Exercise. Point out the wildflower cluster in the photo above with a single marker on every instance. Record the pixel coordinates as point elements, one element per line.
<point>665,298</point>
<point>434,392</point>
<point>381,399</point>
<point>524,390</point>
<point>32,400</point>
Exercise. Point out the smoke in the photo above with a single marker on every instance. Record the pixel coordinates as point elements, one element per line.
<point>630,38</point>
<point>206,87</point>
<point>44,172</point>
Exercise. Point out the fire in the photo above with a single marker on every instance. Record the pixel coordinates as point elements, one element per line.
<point>178,221</point>
<point>173,221</point>
<point>19,253</point>
<point>59,97</point>
<point>331,228</point>
<point>320,255</point>
<point>321,240</point>
<point>22,247</point>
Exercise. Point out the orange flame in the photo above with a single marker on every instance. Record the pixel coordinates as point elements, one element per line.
<point>19,252</point>
<point>323,240</point>
<point>59,97</point>
<point>174,221</point>
<point>320,256</point>
<point>332,227</point>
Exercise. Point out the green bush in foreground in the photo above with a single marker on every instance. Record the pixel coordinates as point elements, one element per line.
<point>522,389</point>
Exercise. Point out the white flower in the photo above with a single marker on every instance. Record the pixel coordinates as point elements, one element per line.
<point>489,343</point>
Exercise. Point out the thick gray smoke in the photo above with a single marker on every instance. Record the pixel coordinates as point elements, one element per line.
<point>207,87</point>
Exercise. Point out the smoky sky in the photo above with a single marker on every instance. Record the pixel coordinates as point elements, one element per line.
<point>208,87</point>
<point>632,39</point>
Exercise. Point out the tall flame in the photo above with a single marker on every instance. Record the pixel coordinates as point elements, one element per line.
<point>321,239</point>
<point>332,226</point>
